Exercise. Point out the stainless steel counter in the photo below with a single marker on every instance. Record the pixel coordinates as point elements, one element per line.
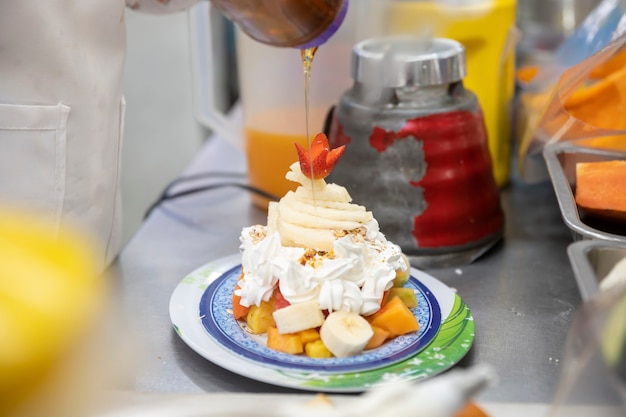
<point>522,293</point>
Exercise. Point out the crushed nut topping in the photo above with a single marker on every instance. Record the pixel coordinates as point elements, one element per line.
<point>308,256</point>
<point>358,235</point>
<point>257,233</point>
<point>314,257</point>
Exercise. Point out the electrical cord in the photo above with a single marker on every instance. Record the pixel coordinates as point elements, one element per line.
<point>166,195</point>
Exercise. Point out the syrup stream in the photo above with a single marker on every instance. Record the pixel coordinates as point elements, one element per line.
<point>307,62</point>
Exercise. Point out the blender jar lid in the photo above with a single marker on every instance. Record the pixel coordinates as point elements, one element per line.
<point>408,61</point>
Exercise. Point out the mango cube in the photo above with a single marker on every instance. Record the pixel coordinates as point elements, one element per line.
<point>259,318</point>
<point>317,349</point>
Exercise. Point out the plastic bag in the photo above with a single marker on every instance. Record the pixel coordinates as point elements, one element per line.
<point>595,356</point>
<point>580,96</point>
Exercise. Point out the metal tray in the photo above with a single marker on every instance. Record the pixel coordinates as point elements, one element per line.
<point>591,261</point>
<point>561,160</point>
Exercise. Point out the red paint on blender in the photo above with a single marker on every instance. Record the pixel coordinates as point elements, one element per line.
<point>462,197</point>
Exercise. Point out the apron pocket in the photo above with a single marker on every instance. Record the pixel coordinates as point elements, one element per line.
<point>32,157</point>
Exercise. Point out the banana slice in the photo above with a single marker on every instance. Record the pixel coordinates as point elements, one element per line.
<point>298,236</point>
<point>310,215</point>
<point>345,333</point>
<point>299,316</point>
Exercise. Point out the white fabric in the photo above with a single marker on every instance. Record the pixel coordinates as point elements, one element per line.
<point>62,110</point>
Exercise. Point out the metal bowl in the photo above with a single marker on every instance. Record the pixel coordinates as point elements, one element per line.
<point>591,261</point>
<point>561,160</point>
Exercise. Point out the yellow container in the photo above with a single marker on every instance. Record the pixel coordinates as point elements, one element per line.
<point>50,296</point>
<point>486,30</point>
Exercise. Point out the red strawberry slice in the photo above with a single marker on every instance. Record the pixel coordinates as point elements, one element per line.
<point>322,159</point>
<point>280,300</point>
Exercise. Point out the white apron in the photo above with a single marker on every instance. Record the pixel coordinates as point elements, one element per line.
<point>62,110</point>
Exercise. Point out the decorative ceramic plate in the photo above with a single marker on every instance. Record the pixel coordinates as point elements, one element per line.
<point>217,318</point>
<point>223,343</point>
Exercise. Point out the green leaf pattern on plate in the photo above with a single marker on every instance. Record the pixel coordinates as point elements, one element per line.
<point>453,341</point>
<point>203,276</point>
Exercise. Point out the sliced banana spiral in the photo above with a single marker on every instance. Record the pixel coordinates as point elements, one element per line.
<point>311,216</point>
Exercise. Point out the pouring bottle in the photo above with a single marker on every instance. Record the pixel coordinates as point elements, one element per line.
<point>286,23</point>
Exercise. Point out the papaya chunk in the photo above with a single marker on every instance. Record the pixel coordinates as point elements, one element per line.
<point>239,311</point>
<point>601,189</point>
<point>309,335</point>
<point>394,317</point>
<point>288,342</point>
<point>380,336</point>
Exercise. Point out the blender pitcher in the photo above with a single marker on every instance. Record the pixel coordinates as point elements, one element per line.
<point>271,88</point>
<point>416,150</point>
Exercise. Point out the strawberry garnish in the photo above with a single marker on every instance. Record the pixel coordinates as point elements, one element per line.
<point>280,301</point>
<point>321,161</point>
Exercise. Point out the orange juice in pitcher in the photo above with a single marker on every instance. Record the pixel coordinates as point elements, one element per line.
<point>270,138</point>
<point>486,30</point>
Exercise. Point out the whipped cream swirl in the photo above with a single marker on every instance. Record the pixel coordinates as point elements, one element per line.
<point>318,246</point>
<point>353,276</point>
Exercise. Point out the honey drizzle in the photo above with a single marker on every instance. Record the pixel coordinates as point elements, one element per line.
<point>307,62</point>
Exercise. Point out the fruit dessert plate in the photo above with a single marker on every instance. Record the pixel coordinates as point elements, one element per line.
<point>216,315</point>
<point>201,313</point>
